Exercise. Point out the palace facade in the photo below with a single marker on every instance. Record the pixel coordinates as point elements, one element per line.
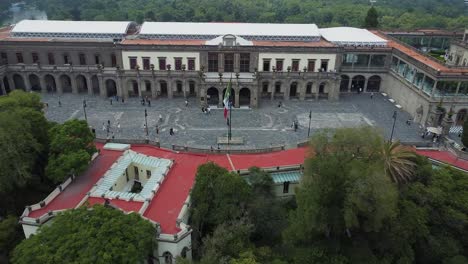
<point>262,61</point>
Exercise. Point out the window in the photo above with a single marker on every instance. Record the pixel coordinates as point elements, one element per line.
<point>51,58</point>
<point>133,62</point>
<point>35,57</point>
<point>178,64</point>
<point>324,65</point>
<point>113,60</point>
<point>244,62</point>
<point>295,65</point>
<point>309,88</point>
<point>229,62</point>
<point>265,87</point>
<point>278,87</point>
<point>146,63</point>
<point>286,187</point>
<point>148,174</point>
<point>19,57</point>
<point>4,57</point>
<point>191,64</point>
<point>279,64</point>
<point>136,172</point>
<point>213,62</point>
<point>311,65</point>
<point>66,59</point>
<point>266,65</point>
<point>97,59</point>
<point>162,64</point>
<point>82,59</point>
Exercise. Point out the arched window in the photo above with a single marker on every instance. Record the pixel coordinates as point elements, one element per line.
<point>167,257</point>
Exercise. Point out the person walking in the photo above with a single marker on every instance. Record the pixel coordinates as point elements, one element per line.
<point>371,95</point>
<point>111,100</point>
<point>60,103</point>
<point>149,103</point>
<point>103,126</point>
<point>360,90</point>
<point>208,110</point>
<point>160,118</point>
<point>171,131</point>
<point>186,103</point>
<point>157,130</point>
<point>118,127</point>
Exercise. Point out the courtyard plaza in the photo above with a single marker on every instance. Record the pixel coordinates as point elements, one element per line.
<point>263,127</point>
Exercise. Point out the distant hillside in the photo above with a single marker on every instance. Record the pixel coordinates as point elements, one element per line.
<point>402,14</point>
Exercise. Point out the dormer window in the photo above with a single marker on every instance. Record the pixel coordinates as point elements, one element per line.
<point>229,40</point>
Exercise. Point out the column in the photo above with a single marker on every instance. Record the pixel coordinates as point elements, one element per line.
<point>220,99</point>
<point>58,83</point>
<point>10,83</point>
<point>302,90</point>
<point>434,88</point>
<point>254,97</point>
<point>317,88</point>
<point>89,85</point>
<point>184,87</point>
<point>43,83</point>
<point>349,84</point>
<point>74,84</point>
<point>2,88</point>
<point>237,105</point>
<point>458,88</point>
<point>153,88</point>
<point>286,91</point>
<point>272,88</point>
<point>220,62</point>
<point>27,83</point>
<point>169,88</point>
<point>102,91</point>
<point>139,82</point>
<point>236,62</point>
<point>365,85</point>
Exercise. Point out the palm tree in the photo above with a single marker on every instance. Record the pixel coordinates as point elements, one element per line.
<point>398,161</point>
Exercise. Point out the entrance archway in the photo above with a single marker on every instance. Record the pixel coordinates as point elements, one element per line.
<point>19,82</point>
<point>293,90</point>
<point>323,91</point>
<point>358,82</point>
<point>461,117</point>
<point>95,85</point>
<point>6,84</point>
<point>192,91</point>
<point>373,84</point>
<point>81,84</point>
<point>147,89</point>
<point>344,83</point>
<point>65,81</point>
<point>35,82</point>
<point>212,95</point>
<point>50,83</point>
<point>244,97</point>
<point>111,88</point>
<point>133,88</point>
<point>179,89</point>
<point>163,88</point>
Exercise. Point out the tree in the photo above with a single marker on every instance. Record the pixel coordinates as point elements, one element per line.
<point>399,162</point>
<point>217,197</point>
<point>464,138</point>
<point>71,149</point>
<point>19,151</point>
<point>372,19</point>
<point>227,242</point>
<point>8,235</point>
<point>89,235</point>
<point>344,195</point>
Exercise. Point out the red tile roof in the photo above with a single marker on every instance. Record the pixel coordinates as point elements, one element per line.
<point>169,200</point>
<point>421,57</point>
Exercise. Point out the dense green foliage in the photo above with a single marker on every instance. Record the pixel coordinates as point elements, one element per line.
<point>372,18</point>
<point>71,148</point>
<point>401,14</point>
<point>100,235</point>
<point>354,205</point>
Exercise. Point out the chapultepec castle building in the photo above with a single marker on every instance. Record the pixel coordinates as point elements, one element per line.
<point>263,61</point>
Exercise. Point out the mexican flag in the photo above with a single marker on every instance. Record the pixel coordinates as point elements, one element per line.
<point>226,102</point>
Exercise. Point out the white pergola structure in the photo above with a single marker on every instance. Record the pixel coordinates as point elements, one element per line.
<point>71,29</point>
<point>247,31</point>
<point>349,36</point>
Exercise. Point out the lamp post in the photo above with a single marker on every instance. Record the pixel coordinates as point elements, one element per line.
<point>84,110</point>
<point>393,127</point>
<point>146,123</point>
<point>310,119</point>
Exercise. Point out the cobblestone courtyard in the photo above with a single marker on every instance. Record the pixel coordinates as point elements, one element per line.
<point>266,126</point>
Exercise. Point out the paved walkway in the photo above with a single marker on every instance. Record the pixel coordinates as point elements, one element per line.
<point>269,125</point>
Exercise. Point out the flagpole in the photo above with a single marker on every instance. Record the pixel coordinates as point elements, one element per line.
<point>230,110</point>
